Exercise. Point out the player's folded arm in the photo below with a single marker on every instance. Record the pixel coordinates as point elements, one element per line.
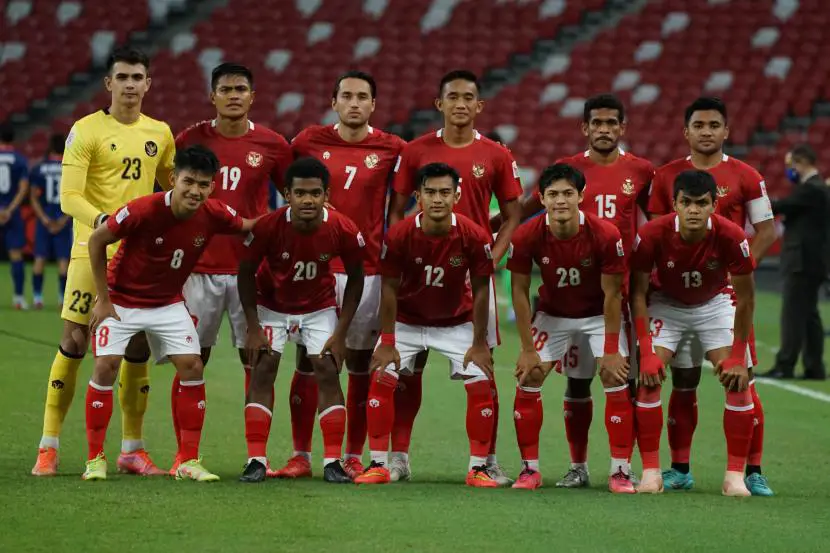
<point>73,201</point>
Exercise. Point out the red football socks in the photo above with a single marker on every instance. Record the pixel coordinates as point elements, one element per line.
<point>407,403</point>
<point>190,409</point>
<point>682,423</point>
<point>380,411</point>
<point>756,447</point>
<point>578,416</point>
<point>527,416</point>
<point>98,414</point>
<point>257,428</point>
<point>333,426</point>
<point>738,418</point>
<point>619,421</point>
<point>356,396</point>
<point>303,406</point>
<point>480,414</point>
<point>649,421</point>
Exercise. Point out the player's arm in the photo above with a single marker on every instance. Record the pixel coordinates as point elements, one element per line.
<point>511,213</point>
<point>520,291</point>
<point>246,283</point>
<point>386,353</point>
<point>612,361</point>
<point>34,200</point>
<point>403,185</point>
<point>733,372</point>
<point>336,344</point>
<point>22,192</point>
<point>76,162</point>
<point>528,207</point>
<point>397,207</point>
<point>652,371</point>
<point>164,170</point>
<point>765,235</point>
<point>479,352</point>
<point>102,237</point>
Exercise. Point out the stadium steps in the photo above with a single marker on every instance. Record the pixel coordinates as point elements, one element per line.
<point>493,80</point>
<point>83,87</point>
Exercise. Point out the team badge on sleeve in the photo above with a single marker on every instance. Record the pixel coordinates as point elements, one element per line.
<point>745,248</point>
<point>620,249</point>
<point>636,243</point>
<point>515,170</point>
<point>383,251</point>
<point>510,251</point>
<point>71,137</point>
<point>231,210</point>
<point>488,251</point>
<point>121,215</point>
<point>249,239</point>
<point>361,242</point>
<point>199,241</point>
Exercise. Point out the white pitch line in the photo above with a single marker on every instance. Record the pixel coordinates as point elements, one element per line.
<point>807,392</point>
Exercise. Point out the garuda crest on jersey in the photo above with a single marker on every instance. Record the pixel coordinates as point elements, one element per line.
<point>456,260</point>
<point>627,187</point>
<point>723,191</point>
<point>253,159</point>
<point>199,241</point>
<point>371,161</point>
<point>478,170</point>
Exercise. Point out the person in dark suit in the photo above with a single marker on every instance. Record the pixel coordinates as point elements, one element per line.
<point>804,262</point>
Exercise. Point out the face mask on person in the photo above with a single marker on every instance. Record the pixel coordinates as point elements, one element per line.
<point>792,175</point>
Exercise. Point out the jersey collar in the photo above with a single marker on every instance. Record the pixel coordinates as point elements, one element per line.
<point>288,215</point>
<point>581,218</point>
<point>677,223</point>
<point>418,220</point>
<point>251,125</point>
<point>369,127</point>
<point>619,149</point>
<point>168,198</point>
<point>476,134</point>
<point>724,158</point>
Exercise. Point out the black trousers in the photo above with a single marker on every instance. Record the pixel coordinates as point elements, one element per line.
<point>801,327</point>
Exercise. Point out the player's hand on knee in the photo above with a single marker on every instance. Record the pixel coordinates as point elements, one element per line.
<point>614,367</point>
<point>385,355</point>
<point>102,311</point>
<point>481,356</point>
<point>528,367</point>
<point>733,374</point>
<point>256,344</point>
<point>652,370</point>
<point>335,346</point>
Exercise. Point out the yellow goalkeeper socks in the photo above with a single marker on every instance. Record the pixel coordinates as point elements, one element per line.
<point>133,391</point>
<point>61,389</point>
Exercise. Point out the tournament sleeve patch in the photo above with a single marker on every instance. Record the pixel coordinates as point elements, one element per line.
<point>71,137</point>
<point>121,215</point>
<point>398,163</point>
<point>745,248</point>
<point>360,241</point>
<point>249,239</point>
<point>488,251</point>
<point>231,210</point>
<point>636,243</point>
<point>383,251</point>
<point>515,170</point>
<point>620,249</point>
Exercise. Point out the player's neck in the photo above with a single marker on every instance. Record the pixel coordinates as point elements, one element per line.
<point>458,137</point>
<point>436,228</point>
<point>601,158</point>
<point>126,115</point>
<point>353,134</point>
<point>563,230</point>
<point>693,236</point>
<point>307,227</point>
<point>706,161</point>
<point>232,128</point>
<point>180,213</point>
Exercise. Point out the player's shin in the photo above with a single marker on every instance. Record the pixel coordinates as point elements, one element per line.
<point>578,414</point>
<point>408,396</point>
<point>380,413</point>
<point>63,377</point>
<point>738,421</point>
<point>190,406</point>
<point>756,447</point>
<point>528,415</point>
<point>479,419</point>
<point>682,422</point>
<point>98,415</point>
<point>133,392</point>
<point>356,397</point>
<point>303,406</point>
<point>619,422</point>
<point>649,422</point>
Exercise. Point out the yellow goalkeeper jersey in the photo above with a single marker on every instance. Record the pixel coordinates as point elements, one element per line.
<point>106,164</point>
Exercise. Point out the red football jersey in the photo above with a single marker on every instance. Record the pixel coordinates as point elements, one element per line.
<point>572,268</point>
<point>295,274</point>
<point>435,289</point>
<point>486,168</point>
<point>158,252</point>
<point>742,194</point>
<point>692,274</point>
<point>611,191</point>
<point>246,162</point>
<point>360,176</point>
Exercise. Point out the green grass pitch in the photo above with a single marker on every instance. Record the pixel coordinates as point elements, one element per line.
<point>434,512</point>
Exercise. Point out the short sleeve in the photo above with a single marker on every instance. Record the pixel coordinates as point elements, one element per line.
<point>126,220</point>
<point>508,186</point>
<point>351,247</point>
<point>169,149</point>
<point>520,254</point>
<point>224,219</point>
<point>758,207</point>
<point>284,155</point>
<point>79,147</point>
<point>391,251</point>
<point>406,170</point>
<point>738,255</point>
<point>256,242</point>
<point>659,200</point>
<point>642,254</point>
<point>613,252</point>
<point>22,167</point>
<point>480,254</point>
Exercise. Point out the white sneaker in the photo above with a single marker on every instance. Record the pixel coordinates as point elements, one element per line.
<point>399,468</point>
<point>497,473</point>
<point>19,303</point>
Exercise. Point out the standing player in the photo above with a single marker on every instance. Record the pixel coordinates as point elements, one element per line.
<point>360,160</point>
<point>485,168</point>
<point>617,184</point>
<point>53,235</point>
<point>429,264</point>
<point>249,155</point>
<point>162,237</point>
<point>582,260</point>
<point>14,186</point>
<point>742,198</point>
<point>694,253</point>
<point>112,156</point>
<point>292,297</point>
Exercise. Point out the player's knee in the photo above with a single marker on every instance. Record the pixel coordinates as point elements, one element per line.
<point>105,370</point>
<point>578,388</point>
<point>190,367</point>
<point>609,381</point>
<point>421,361</point>
<point>357,362</point>
<point>685,378</point>
<point>325,371</point>
<point>137,349</point>
<point>303,363</point>
<point>75,339</point>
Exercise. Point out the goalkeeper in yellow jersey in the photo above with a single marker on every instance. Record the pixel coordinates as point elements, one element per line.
<point>112,156</point>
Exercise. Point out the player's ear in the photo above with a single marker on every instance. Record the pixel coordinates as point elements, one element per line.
<point>623,126</point>
<point>213,97</point>
<point>418,196</point>
<point>686,132</point>
<point>457,195</point>
<point>584,127</point>
<point>373,106</point>
<point>253,97</point>
<point>149,81</point>
<point>479,106</point>
<point>171,176</point>
<point>108,83</point>
<point>438,104</point>
<point>726,132</point>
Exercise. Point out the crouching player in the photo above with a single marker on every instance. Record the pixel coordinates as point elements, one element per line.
<point>582,261</point>
<point>162,237</point>
<point>292,298</point>
<point>429,263</point>
<point>694,251</point>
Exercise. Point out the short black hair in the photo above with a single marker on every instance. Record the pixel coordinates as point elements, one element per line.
<point>804,153</point>
<point>57,143</point>
<point>695,183</point>
<point>230,68</point>
<point>561,171</point>
<point>458,75</point>
<point>7,133</point>
<point>603,101</point>
<point>130,55</point>
<point>705,103</point>
<point>307,168</point>
<point>362,75</point>
<point>435,171</point>
<point>196,158</point>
